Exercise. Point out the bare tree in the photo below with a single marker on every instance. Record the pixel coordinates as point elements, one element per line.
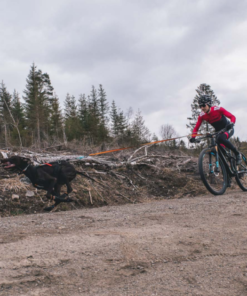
<point>129,115</point>
<point>15,123</point>
<point>167,131</point>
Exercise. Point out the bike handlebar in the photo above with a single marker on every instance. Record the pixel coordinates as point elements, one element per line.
<point>211,135</point>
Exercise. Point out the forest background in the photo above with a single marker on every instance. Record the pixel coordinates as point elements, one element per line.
<point>37,120</point>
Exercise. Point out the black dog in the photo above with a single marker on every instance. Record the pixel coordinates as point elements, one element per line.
<point>50,176</point>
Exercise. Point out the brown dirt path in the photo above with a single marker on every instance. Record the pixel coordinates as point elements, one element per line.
<point>190,246</point>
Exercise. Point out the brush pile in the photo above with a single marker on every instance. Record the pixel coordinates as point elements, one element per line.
<point>123,177</point>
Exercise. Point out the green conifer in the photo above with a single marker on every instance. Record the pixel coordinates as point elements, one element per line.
<point>203,89</point>
<point>37,96</point>
<point>5,119</point>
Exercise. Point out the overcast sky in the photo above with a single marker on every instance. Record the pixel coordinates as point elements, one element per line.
<point>150,55</point>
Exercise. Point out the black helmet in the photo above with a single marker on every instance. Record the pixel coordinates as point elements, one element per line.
<point>205,99</point>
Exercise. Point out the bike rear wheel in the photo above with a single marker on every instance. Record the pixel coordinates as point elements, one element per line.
<point>241,175</point>
<point>215,182</point>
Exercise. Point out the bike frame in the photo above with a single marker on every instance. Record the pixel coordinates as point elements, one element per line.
<point>220,152</point>
<point>217,155</point>
<point>230,169</point>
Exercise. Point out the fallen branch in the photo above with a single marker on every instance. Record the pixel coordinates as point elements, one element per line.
<point>138,175</point>
<point>124,196</point>
<point>60,145</point>
<point>182,163</point>
<point>114,175</point>
<point>96,181</point>
<point>98,193</point>
<point>135,153</point>
<point>91,200</point>
<point>147,164</point>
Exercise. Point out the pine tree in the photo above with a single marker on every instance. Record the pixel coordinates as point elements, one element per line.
<point>38,94</point>
<point>70,111</point>
<point>154,137</point>
<point>67,105</point>
<point>56,118</point>
<point>94,105</point>
<point>103,118</point>
<point>31,98</point>
<point>182,144</point>
<point>103,105</point>
<point>140,132</point>
<point>121,123</point>
<point>17,111</point>
<point>72,123</point>
<point>114,119</point>
<point>128,130</point>
<point>48,98</point>
<point>83,113</point>
<point>203,89</point>
<point>5,103</point>
<point>118,121</point>
<point>94,114</point>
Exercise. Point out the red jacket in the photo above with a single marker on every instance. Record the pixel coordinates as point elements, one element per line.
<point>216,117</point>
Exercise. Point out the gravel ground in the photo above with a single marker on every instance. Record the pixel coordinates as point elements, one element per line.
<point>189,246</point>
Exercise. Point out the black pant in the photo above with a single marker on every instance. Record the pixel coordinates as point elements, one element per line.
<point>223,139</point>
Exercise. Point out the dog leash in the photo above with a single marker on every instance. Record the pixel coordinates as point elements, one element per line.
<point>150,143</point>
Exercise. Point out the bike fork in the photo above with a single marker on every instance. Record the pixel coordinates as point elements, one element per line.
<point>217,169</point>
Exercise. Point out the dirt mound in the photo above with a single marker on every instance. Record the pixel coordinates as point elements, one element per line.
<point>126,184</point>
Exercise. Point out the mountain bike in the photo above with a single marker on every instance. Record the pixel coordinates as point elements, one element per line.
<point>217,165</point>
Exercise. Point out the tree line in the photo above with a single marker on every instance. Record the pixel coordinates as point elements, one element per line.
<point>37,119</point>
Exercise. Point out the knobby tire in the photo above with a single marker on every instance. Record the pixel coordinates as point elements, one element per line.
<point>241,178</point>
<point>203,174</point>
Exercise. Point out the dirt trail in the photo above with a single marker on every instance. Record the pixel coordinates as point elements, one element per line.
<point>189,246</point>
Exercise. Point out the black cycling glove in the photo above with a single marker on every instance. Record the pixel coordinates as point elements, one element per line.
<point>230,126</point>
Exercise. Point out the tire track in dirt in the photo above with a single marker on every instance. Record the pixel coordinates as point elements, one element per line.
<point>177,247</point>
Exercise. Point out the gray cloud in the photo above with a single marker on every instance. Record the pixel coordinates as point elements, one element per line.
<point>150,55</point>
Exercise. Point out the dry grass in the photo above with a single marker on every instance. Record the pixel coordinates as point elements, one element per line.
<point>13,184</point>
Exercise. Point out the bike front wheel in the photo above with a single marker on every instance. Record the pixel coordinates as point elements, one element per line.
<point>215,180</point>
<point>241,173</point>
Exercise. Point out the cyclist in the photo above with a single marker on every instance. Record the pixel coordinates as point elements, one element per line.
<point>216,116</point>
